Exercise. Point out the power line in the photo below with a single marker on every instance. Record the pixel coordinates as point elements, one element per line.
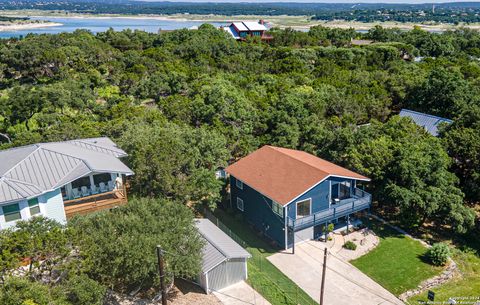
<point>348,279</point>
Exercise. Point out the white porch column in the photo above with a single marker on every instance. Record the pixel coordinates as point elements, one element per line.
<point>92,182</point>
<point>68,190</point>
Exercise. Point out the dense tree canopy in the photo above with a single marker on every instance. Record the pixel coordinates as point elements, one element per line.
<point>184,103</point>
<point>130,235</point>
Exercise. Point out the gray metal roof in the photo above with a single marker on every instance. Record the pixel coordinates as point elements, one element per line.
<point>103,145</point>
<point>211,257</point>
<point>427,121</point>
<point>219,246</point>
<point>29,171</point>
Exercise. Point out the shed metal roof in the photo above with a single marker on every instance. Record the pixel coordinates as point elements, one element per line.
<point>427,121</point>
<point>219,246</point>
<point>32,170</point>
<point>283,174</point>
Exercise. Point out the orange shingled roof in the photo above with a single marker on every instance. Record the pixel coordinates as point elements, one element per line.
<point>283,174</point>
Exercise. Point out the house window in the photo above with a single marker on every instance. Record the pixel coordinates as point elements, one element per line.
<point>239,184</point>
<point>240,204</point>
<point>277,208</point>
<point>11,212</point>
<point>341,190</point>
<point>344,190</point>
<point>34,206</point>
<point>304,208</point>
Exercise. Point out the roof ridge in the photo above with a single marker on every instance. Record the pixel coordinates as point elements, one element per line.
<point>20,181</point>
<point>70,156</point>
<point>215,245</point>
<point>17,164</point>
<point>13,187</point>
<point>426,114</point>
<point>292,157</point>
<point>84,140</point>
<point>73,169</point>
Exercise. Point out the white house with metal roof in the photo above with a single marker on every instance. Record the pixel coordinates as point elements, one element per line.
<point>60,179</point>
<point>224,262</point>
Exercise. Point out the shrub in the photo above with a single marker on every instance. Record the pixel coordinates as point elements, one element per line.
<point>350,245</point>
<point>20,290</point>
<point>80,290</point>
<point>40,242</point>
<point>119,246</point>
<point>438,254</point>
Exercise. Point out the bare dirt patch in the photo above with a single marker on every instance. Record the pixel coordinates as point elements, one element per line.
<point>182,293</point>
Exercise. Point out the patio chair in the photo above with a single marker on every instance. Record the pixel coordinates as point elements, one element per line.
<point>103,187</point>
<point>94,190</point>
<point>75,193</point>
<point>85,191</point>
<point>110,185</point>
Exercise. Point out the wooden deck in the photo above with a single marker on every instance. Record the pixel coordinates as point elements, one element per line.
<point>94,203</point>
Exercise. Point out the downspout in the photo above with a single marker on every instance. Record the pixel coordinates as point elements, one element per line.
<point>206,282</point>
<point>285,217</point>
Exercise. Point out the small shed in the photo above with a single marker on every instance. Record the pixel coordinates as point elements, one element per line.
<point>224,262</point>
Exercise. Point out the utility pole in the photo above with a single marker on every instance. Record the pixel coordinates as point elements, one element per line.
<point>162,274</point>
<point>322,289</point>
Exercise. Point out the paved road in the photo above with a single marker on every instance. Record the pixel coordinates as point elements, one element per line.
<point>240,294</point>
<point>344,285</point>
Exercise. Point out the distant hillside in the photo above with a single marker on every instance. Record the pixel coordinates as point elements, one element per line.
<point>453,12</point>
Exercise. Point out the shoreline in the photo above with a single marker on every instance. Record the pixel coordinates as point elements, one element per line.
<point>281,21</point>
<point>27,26</point>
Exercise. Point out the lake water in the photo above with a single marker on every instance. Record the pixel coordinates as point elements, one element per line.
<point>100,24</point>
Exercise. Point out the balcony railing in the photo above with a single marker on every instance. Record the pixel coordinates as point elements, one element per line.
<point>361,200</point>
<point>96,202</point>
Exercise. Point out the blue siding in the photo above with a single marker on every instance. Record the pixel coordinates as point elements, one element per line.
<point>258,211</point>
<point>53,204</point>
<point>320,196</point>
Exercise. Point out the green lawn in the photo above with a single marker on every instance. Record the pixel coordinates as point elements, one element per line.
<point>466,287</point>
<point>263,276</point>
<point>397,263</point>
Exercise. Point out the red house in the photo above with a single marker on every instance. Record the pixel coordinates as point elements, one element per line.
<point>244,29</point>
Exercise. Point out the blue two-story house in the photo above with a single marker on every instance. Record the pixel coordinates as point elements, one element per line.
<point>289,195</point>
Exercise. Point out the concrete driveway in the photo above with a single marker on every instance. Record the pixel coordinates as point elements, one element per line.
<point>344,284</point>
<point>240,294</point>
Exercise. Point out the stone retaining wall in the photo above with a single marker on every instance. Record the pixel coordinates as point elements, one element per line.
<point>445,276</point>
